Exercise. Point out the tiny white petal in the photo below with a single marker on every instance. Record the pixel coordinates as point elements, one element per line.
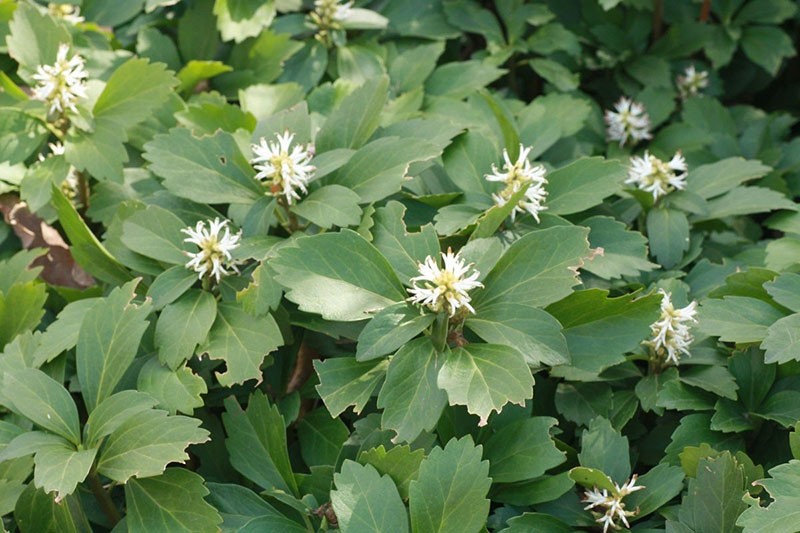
<point>515,176</point>
<point>671,335</point>
<point>286,169</point>
<point>692,82</point>
<point>653,175</point>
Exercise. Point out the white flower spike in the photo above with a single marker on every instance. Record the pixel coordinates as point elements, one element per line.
<point>628,121</point>
<point>332,10</point>
<point>63,83</point>
<point>286,168</point>
<point>609,507</point>
<point>657,177</point>
<point>671,333</point>
<point>215,249</point>
<point>444,289</point>
<point>692,82</point>
<point>514,176</point>
<point>68,12</point>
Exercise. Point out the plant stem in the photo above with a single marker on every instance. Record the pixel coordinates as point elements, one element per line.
<point>705,11</point>
<point>658,15</point>
<point>439,332</point>
<point>103,498</point>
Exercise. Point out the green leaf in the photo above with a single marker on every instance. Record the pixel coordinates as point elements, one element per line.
<point>661,483</point>
<point>59,469</point>
<point>536,522</point>
<point>538,269</point>
<point>591,478</point>
<point>108,341</point>
<point>243,510</point>
<point>624,253</point>
<point>100,152</point>
<point>183,325</point>
<point>173,501</point>
<point>737,318</point>
<point>404,250</point>
<point>714,379</point>
<point>411,68</point>
<point>461,78</point>
<point>21,309</point>
<point>399,463</point>
<point>603,448</point>
<point>38,511</point>
<point>256,443</point>
<point>783,513</point>
<point>746,200</point>
<point>331,205</point>
<point>343,382</point>
<point>146,443</point>
<point>583,184</point>
<point>782,341</point>
<point>43,400</point>
<point>170,285</point>
<point>34,37</point>
<point>522,450</point>
<point>715,179</point>
<point>531,331</point>
<point>485,377</point>
<point>133,92</point>
<point>263,294</point>
<point>356,118</point>
<point>552,117</point>
<point>196,71</point>
<point>467,161</point>
<point>155,232</point>
<point>321,437</point>
<point>785,290</point>
<point>242,341</point>
<point>366,501</point>
<point>208,169</point>
<point>668,231</point>
<point>600,330</point>
<point>85,247</point>
<point>553,72</point>
<point>390,329</point>
<point>113,412</point>
<point>411,400</point>
<point>240,19</point>
<point>767,46</point>
<point>20,135</point>
<point>378,169</point>
<point>338,290</point>
<point>714,500</point>
<point>177,390</point>
<point>449,495</point>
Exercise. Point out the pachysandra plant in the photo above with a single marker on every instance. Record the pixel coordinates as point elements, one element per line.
<point>391,266</point>
<point>516,175</point>
<point>659,178</point>
<point>629,122</point>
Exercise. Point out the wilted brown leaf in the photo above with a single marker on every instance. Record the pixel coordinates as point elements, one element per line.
<point>59,268</point>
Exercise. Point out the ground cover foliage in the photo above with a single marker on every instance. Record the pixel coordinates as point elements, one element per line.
<point>414,266</point>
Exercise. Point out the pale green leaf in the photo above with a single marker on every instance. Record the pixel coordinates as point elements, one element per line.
<point>365,501</point>
<point>183,325</point>
<point>343,382</point>
<point>522,450</point>
<point>331,205</point>
<point>177,390</point>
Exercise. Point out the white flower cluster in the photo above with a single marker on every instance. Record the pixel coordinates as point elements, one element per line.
<point>444,288</point>
<point>215,249</point>
<point>328,15</point>
<point>613,510</point>
<point>286,168</point>
<point>68,12</point>
<point>514,176</point>
<point>628,121</point>
<point>692,82</point>
<point>658,177</point>
<point>62,83</point>
<point>671,335</point>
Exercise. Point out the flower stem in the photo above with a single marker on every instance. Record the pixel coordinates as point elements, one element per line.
<point>658,15</point>
<point>439,332</point>
<point>103,498</point>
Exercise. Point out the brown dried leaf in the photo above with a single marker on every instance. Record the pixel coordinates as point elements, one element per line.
<point>59,267</point>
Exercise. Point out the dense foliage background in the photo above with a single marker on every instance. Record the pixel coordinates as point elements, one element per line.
<point>285,382</point>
